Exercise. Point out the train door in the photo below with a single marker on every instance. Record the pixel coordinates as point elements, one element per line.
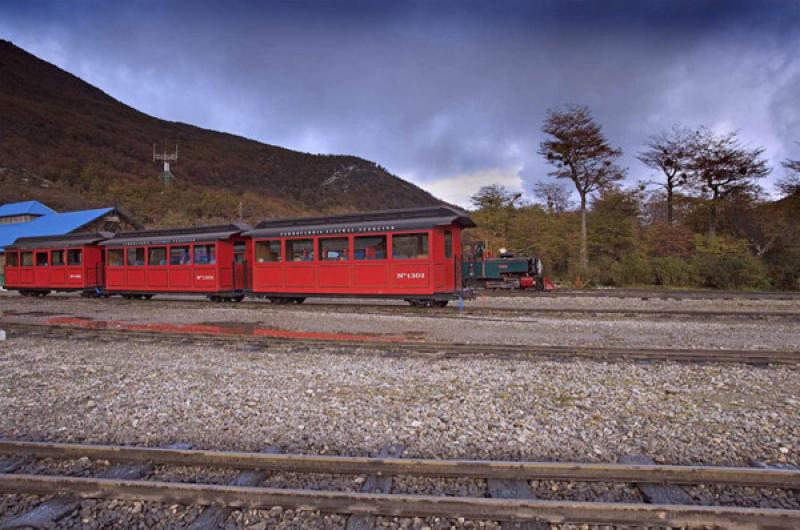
<point>41,273</point>
<point>239,265</point>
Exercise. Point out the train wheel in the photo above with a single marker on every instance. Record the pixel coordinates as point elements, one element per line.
<point>441,303</point>
<point>147,296</point>
<point>298,300</point>
<point>425,302</point>
<point>237,299</point>
<point>279,301</point>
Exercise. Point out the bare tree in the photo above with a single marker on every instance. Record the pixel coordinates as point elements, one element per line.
<point>554,195</point>
<point>670,152</point>
<point>721,167</point>
<point>580,152</point>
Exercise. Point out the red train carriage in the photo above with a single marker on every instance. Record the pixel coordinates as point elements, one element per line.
<point>201,260</point>
<point>413,254</point>
<point>35,266</point>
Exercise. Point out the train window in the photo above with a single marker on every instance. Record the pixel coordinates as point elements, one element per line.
<point>239,250</point>
<point>300,249</point>
<point>179,256</point>
<point>157,256</point>
<point>268,251</point>
<point>41,259</point>
<point>369,247</point>
<point>410,246</point>
<point>74,256</point>
<point>448,244</point>
<point>205,255</point>
<point>12,259</point>
<point>135,257</point>
<point>57,258</point>
<point>334,249</point>
<point>115,258</point>
<point>27,259</point>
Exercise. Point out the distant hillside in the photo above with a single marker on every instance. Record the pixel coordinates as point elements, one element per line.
<point>67,143</point>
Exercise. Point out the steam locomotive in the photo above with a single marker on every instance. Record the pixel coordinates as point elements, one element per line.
<point>480,269</point>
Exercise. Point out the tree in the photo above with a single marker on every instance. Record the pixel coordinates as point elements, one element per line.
<point>670,152</point>
<point>495,197</point>
<point>790,184</point>
<point>721,168</point>
<point>580,152</point>
<point>554,196</point>
<point>496,205</point>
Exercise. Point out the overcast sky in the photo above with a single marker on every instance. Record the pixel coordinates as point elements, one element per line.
<point>448,95</point>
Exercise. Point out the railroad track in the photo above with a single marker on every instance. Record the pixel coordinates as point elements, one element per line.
<point>652,294</point>
<point>471,312</point>
<point>417,347</point>
<point>509,495</point>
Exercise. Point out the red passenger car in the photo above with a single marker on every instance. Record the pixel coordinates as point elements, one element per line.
<point>35,266</point>
<point>412,254</point>
<point>201,260</point>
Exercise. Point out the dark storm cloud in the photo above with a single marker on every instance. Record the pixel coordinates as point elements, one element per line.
<point>448,94</point>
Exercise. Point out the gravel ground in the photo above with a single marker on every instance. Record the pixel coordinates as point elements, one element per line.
<point>581,330</point>
<point>231,397</point>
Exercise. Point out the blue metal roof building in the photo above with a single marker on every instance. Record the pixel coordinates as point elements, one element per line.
<point>32,208</point>
<point>42,221</point>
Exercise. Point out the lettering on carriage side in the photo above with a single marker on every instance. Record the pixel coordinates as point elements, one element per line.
<point>204,277</point>
<point>75,276</point>
<point>410,275</point>
<point>325,231</point>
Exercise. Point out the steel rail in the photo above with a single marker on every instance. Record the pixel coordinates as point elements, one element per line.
<point>643,293</point>
<point>402,505</point>
<point>569,471</point>
<point>472,310</point>
<point>501,350</point>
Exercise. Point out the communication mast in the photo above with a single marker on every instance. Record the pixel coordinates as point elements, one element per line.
<point>167,179</point>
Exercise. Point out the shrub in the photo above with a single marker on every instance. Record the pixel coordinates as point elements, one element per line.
<point>725,263</point>
<point>632,269</point>
<point>674,272</point>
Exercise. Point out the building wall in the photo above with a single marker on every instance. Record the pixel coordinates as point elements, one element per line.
<point>13,219</point>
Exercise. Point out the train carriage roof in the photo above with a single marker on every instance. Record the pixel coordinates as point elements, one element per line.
<point>78,239</point>
<point>381,221</point>
<point>166,236</point>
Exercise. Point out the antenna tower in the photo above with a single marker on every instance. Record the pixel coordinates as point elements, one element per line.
<point>167,178</point>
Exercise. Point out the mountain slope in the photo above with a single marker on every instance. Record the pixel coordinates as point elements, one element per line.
<point>71,145</point>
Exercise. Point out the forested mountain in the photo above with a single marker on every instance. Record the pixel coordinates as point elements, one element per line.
<point>70,145</point>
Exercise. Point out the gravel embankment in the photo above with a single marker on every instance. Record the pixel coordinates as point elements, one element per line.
<point>233,397</point>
